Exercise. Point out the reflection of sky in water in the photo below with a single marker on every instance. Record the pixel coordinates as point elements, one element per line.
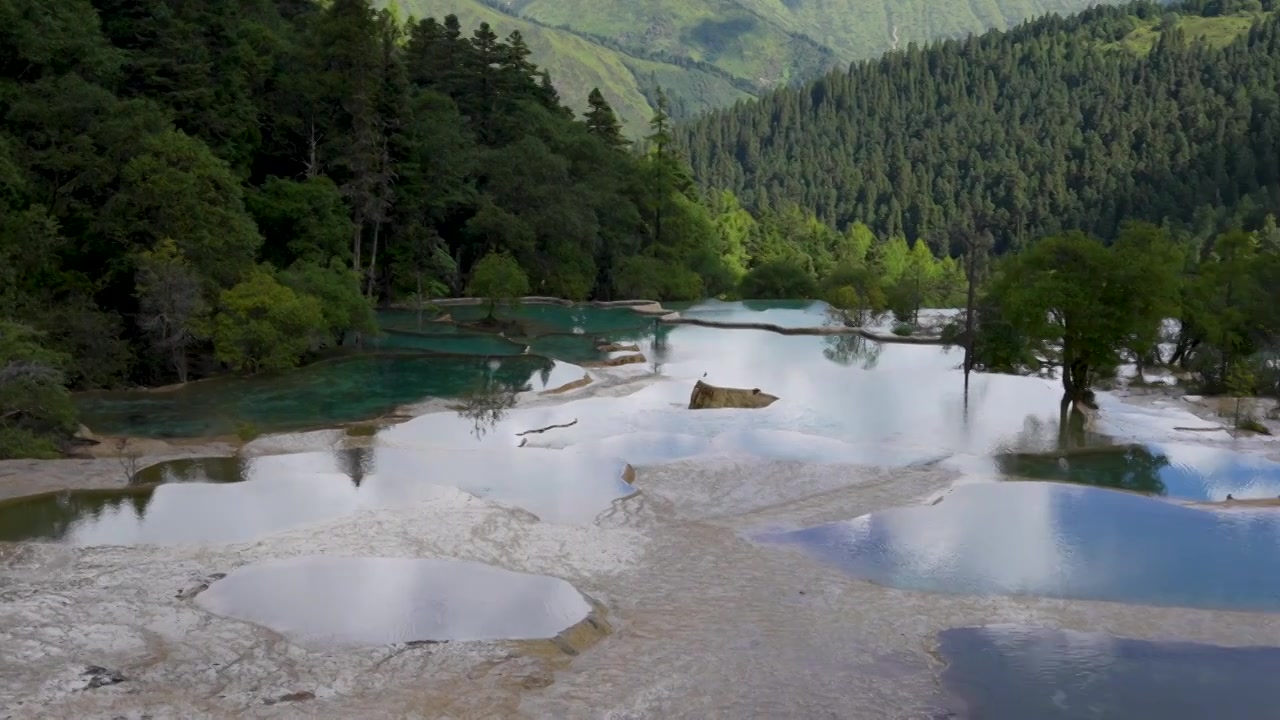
<point>1062,541</point>
<point>783,313</point>
<point>1008,672</point>
<point>1185,471</point>
<point>887,404</point>
<point>326,601</point>
<point>283,491</point>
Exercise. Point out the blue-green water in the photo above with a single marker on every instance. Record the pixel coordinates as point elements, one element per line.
<point>783,313</point>
<point>1061,541</point>
<point>359,387</point>
<point>451,343</point>
<point>413,359</point>
<point>1009,672</point>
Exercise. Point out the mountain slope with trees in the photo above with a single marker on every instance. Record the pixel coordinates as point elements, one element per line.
<point>578,64</point>
<point>704,52</point>
<point>1059,124</point>
<point>191,188</point>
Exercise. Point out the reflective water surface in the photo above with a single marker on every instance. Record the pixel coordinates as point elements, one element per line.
<point>321,602</point>
<point>709,625</point>
<point>534,319</point>
<point>1061,541</point>
<point>355,388</point>
<point>1191,472</point>
<point>783,313</point>
<point>1008,672</point>
<point>892,403</point>
<point>236,499</point>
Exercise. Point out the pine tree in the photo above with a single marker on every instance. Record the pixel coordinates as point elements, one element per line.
<point>602,122</point>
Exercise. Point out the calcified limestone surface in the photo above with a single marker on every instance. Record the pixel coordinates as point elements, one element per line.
<point>706,622</point>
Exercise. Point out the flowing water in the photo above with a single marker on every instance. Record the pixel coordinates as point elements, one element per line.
<point>734,580</point>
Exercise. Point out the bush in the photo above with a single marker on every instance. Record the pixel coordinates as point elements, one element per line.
<point>782,279</point>
<point>36,412</point>
<point>497,277</point>
<point>263,325</point>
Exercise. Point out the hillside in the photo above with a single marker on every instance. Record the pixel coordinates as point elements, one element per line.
<point>709,53</point>
<point>1139,111</point>
<point>578,64</point>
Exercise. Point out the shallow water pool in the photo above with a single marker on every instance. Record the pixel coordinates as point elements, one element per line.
<point>236,500</point>
<point>1184,471</point>
<point>1062,541</point>
<point>1009,672</point>
<point>320,395</point>
<point>324,602</point>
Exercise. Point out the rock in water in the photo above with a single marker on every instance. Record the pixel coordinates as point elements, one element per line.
<point>707,397</point>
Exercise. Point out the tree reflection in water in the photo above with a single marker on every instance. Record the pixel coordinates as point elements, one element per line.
<point>850,349</point>
<point>660,348</point>
<point>487,404</point>
<point>1121,467</point>
<point>355,463</point>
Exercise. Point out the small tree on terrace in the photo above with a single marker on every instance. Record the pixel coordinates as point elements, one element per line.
<point>171,302</point>
<point>497,277</point>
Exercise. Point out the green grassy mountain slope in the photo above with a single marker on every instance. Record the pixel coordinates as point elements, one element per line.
<point>577,64</point>
<point>710,53</point>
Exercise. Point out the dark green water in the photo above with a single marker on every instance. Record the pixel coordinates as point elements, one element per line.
<point>535,320</point>
<point>319,395</point>
<point>452,343</point>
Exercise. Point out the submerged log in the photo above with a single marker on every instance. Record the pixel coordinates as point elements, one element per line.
<point>615,362</point>
<point>544,429</point>
<point>707,397</point>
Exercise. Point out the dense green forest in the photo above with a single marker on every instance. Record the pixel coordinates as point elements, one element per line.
<point>707,54</point>
<point>188,189</point>
<point>1062,123</point>
<point>1049,145</point>
<point>193,188</point>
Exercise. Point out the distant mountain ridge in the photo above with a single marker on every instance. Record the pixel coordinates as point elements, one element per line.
<point>707,54</point>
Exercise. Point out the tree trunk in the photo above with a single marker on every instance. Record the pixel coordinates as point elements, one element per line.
<point>312,162</point>
<point>373,260</point>
<point>418,296</point>
<point>180,362</point>
<point>970,303</point>
<point>355,243</point>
